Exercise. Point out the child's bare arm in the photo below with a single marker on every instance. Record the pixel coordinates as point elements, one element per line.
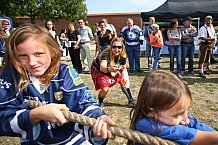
<point>207,138</point>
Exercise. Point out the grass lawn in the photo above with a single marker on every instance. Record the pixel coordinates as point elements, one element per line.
<point>204,92</point>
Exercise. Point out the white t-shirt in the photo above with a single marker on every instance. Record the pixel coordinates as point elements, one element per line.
<point>203,32</point>
<point>111,28</point>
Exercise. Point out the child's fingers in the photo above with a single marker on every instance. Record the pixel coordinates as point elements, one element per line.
<point>62,107</point>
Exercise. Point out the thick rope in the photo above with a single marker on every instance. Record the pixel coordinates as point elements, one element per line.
<point>116,130</point>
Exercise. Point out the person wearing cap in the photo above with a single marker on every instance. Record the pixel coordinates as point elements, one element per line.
<point>6,26</point>
<point>156,41</point>
<point>207,37</point>
<point>188,32</point>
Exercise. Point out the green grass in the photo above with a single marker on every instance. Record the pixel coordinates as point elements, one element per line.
<point>204,91</point>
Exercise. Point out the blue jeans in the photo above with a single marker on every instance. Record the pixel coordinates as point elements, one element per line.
<point>188,48</point>
<point>157,57</point>
<point>149,53</point>
<point>133,54</point>
<point>175,49</point>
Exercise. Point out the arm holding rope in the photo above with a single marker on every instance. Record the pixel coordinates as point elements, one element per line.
<point>115,130</point>
<point>51,113</point>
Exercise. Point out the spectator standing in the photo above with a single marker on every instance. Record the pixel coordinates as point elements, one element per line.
<point>174,35</point>
<point>132,35</point>
<point>50,27</point>
<point>6,26</point>
<point>86,37</point>
<point>149,49</point>
<point>64,42</point>
<point>188,32</point>
<point>208,37</point>
<point>74,39</point>
<point>97,28</point>
<point>103,37</point>
<point>3,41</point>
<point>156,41</point>
<point>110,27</point>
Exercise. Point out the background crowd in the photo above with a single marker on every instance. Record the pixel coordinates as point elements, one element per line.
<point>74,41</point>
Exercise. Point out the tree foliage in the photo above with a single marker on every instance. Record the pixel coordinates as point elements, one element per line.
<point>44,9</point>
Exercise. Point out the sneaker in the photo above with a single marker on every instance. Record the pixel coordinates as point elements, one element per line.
<point>150,68</point>
<point>182,73</point>
<point>132,103</point>
<point>202,75</point>
<point>192,73</point>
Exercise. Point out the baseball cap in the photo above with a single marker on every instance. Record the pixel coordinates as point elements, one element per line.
<point>188,18</point>
<point>208,18</point>
<point>155,26</point>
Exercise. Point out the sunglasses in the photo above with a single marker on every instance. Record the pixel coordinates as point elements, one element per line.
<point>6,24</point>
<point>80,22</point>
<point>119,47</point>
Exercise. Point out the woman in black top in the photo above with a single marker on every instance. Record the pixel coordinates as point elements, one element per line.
<point>103,37</point>
<point>74,39</point>
<point>109,68</point>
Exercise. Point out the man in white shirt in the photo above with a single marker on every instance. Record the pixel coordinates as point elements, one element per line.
<point>208,37</point>
<point>86,37</point>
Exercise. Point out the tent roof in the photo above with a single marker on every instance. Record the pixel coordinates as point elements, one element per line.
<point>181,8</point>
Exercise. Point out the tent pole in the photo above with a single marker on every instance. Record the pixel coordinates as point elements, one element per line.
<point>198,23</point>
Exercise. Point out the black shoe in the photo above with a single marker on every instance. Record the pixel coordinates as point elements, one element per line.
<point>202,75</point>
<point>207,72</point>
<point>101,105</point>
<point>131,71</point>
<point>139,71</point>
<point>132,103</point>
<point>213,61</point>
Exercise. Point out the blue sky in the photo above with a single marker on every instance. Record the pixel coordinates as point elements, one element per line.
<point>119,6</point>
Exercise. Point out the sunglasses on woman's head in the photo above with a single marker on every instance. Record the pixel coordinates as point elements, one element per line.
<point>119,47</point>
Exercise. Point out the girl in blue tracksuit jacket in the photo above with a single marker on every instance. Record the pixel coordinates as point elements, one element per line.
<point>33,72</point>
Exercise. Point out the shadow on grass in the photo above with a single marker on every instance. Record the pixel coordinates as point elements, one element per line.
<point>192,80</point>
<point>108,104</point>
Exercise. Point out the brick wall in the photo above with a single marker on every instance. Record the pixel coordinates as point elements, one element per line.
<point>117,19</point>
